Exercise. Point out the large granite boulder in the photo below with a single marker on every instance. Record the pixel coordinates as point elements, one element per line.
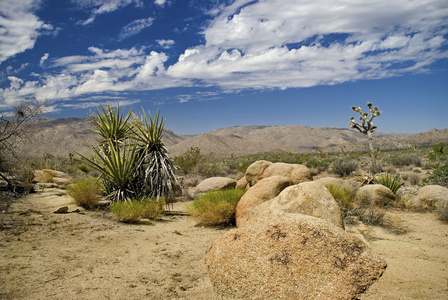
<point>307,198</point>
<point>374,195</point>
<point>291,256</point>
<point>263,169</point>
<point>429,197</point>
<point>262,191</point>
<point>212,184</point>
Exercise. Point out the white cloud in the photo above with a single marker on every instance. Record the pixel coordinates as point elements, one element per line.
<point>166,44</point>
<point>160,2</point>
<point>43,59</point>
<point>103,71</point>
<point>258,45</point>
<point>289,43</point>
<point>19,27</point>
<point>135,27</point>
<point>103,6</point>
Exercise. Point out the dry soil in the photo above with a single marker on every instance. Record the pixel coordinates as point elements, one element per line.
<point>88,255</point>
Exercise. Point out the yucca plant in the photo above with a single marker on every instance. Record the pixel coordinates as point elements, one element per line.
<point>156,171</point>
<point>392,181</point>
<point>118,168</point>
<point>111,125</point>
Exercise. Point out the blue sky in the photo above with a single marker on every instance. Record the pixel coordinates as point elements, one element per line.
<point>220,63</point>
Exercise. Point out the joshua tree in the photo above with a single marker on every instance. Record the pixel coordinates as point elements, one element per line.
<point>366,127</point>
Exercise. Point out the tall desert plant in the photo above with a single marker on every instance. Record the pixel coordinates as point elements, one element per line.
<point>117,166</point>
<point>132,159</point>
<point>156,170</point>
<point>366,127</point>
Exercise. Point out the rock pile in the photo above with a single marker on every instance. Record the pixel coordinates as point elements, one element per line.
<point>290,242</point>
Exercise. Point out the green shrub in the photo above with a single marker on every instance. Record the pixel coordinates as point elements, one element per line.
<point>318,164</point>
<point>187,162</point>
<point>370,216</point>
<point>438,176</point>
<point>344,166</point>
<point>343,197</point>
<point>136,209</point>
<point>216,207</point>
<point>391,181</point>
<point>85,192</point>
<point>84,168</point>
<point>406,159</point>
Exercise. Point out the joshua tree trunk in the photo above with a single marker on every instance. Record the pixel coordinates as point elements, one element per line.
<point>372,152</point>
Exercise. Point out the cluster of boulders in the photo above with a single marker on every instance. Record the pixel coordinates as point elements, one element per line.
<point>290,241</point>
<point>48,178</point>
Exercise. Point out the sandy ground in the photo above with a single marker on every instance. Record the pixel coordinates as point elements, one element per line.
<point>88,255</point>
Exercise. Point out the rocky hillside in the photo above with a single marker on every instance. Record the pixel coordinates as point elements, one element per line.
<point>73,135</point>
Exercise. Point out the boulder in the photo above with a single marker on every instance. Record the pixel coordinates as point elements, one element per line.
<point>374,195</point>
<point>242,183</point>
<point>58,178</point>
<point>263,169</point>
<point>212,184</point>
<point>291,256</point>
<point>307,198</point>
<point>430,197</point>
<point>262,191</point>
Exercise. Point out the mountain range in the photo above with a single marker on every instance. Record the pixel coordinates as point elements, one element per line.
<point>59,137</point>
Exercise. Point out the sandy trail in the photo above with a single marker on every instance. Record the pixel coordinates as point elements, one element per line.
<point>88,255</point>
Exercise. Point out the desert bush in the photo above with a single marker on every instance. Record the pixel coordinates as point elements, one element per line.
<point>216,207</point>
<point>343,197</point>
<point>153,208</point>
<point>442,214</point>
<point>344,166</point>
<point>370,216</point>
<point>391,181</point>
<point>404,159</point>
<point>413,179</point>
<point>187,162</point>
<point>85,192</point>
<point>318,164</point>
<point>27,177</point>
<point>438,176</point>
<point>136,209</point>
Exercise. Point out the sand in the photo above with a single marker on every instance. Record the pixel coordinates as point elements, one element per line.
<point>88,255</point>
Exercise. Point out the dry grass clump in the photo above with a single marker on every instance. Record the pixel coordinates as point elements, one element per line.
<point>136,209</point>
<point>85,192</point>
<point>442,214</point>
<point>216,207</point>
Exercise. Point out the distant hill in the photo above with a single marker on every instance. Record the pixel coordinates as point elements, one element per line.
<point>74,135</point>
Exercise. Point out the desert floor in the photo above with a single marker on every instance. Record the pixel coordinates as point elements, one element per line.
<point>88,255</point>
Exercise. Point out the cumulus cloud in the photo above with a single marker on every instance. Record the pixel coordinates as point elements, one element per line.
<point>19,27</point>
<point>103,71</point>
<point>257,45</point>
<point>135,27</point>
<point>288,43</point>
